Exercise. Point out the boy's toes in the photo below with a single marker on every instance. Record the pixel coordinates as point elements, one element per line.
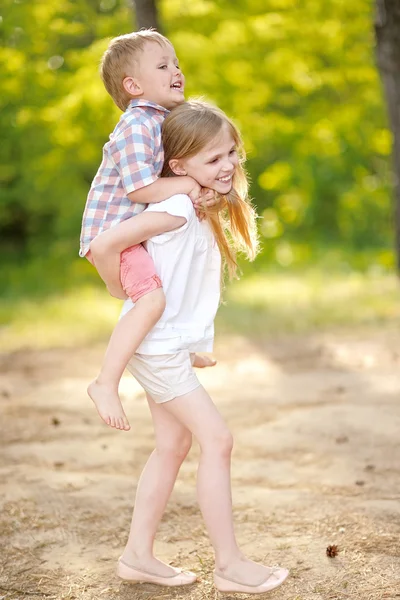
<point>202,362</point>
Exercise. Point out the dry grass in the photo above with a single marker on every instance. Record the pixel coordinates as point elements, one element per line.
<point>367,567</point>
<point>66,491</point>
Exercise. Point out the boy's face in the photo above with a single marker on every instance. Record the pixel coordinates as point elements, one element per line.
<point>158,77</point>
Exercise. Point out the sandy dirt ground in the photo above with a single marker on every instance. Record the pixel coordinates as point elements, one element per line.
<point>316,422</point>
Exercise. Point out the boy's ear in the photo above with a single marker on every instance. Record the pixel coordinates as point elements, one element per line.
<point>176,167</point>
<point>132,86</point>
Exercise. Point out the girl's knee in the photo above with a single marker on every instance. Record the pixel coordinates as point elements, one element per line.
<point>220,443</point>
<point>175,448</point>
<point>226,443</point>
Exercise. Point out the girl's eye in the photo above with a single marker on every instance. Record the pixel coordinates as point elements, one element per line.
<point>162,67</point>
<point>214,160</point>
<point>233,151</point>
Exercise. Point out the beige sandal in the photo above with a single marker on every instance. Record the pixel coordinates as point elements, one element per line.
<point>274,580</point>
<point>132,574</point>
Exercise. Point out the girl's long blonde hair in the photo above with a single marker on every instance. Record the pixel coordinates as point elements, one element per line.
<point>186,131</point>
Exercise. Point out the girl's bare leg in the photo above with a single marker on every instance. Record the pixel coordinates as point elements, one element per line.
<point>173,442</point>
<point>196,412</point>
<point>127,336</point>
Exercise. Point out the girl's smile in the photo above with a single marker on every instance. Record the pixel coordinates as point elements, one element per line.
<point>214,166</point>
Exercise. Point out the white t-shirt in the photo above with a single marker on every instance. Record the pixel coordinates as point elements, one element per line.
<point>188,263</point>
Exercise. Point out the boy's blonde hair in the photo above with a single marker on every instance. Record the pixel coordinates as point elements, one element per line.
<point>185,132</point>
<point>120,57</point>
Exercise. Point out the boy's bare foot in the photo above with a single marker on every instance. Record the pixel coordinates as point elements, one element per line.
<point>108,405</point>
<point>203,361</point>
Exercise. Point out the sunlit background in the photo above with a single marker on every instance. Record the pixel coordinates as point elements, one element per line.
<point>298,77</point>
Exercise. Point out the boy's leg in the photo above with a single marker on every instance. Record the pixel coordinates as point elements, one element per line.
<point>143,286</point>
<point>198,414</point>
<point>173,441</point>
<point>127,336</point>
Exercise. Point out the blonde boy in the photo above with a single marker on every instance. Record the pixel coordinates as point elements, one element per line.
<point>141,72</point>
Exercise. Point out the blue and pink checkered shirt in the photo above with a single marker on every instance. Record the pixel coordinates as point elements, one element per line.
<point>132,158</point>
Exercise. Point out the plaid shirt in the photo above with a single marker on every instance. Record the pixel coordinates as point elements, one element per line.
<point>132,159</point>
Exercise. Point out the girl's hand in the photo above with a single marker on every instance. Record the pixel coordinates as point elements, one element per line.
<point>195,192</point>
<point>208,199</point>
<point>205,200</point>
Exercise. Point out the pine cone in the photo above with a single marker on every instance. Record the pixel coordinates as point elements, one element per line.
<point>332,551</point>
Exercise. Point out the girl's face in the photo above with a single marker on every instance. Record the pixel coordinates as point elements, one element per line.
<point>214,166</point>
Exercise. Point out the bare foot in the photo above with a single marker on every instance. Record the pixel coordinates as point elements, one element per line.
<point>246,572</point>
<point>203,361</point>
<point>108,405</point>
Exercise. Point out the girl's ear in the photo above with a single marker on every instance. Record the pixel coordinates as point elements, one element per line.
<point>177,167</point>
<point>132,86</point>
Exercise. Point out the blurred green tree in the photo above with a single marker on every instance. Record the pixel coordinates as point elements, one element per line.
<point>146,14</point>
<point>387,28</point>
<point>298,76</point>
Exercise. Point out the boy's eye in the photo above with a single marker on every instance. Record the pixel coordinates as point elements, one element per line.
<point>162,67</point>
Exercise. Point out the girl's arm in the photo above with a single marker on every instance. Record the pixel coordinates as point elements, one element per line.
<point>107,247</point>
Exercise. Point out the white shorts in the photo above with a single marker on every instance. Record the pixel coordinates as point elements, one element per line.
<point>164,376</point>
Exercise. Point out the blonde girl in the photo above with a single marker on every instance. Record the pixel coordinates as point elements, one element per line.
<point>199,141</point>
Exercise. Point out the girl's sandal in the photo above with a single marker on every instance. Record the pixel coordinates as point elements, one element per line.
<point>274,580</point>
<point>132,574</point>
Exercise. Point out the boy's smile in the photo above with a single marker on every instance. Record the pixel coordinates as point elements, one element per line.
<point>158,77</point>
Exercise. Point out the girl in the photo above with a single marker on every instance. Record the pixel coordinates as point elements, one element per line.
<point>199,141</point>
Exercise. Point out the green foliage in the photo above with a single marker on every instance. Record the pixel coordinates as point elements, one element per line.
<point>269,303</point>
<point>298,76</point>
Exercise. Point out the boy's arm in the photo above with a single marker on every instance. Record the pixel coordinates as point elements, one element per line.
<point>107,247</point>
<point>164,188</point>
<point>133,153</point>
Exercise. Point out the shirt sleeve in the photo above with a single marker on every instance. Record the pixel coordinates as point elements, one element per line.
<point>179,205</point>
<point>133,153</point>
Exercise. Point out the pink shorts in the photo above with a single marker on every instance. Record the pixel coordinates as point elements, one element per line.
<point>138,274</point>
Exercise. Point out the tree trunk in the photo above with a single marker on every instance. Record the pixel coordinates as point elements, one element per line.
<point>387,31</point>
<point>146,14</point>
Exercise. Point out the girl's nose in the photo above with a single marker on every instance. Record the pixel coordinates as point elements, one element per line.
<point>228,165</point>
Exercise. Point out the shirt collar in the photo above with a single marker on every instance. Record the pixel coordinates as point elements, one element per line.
<point>147,104</point>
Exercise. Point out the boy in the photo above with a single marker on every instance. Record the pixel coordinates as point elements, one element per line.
<point>141,73</point>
